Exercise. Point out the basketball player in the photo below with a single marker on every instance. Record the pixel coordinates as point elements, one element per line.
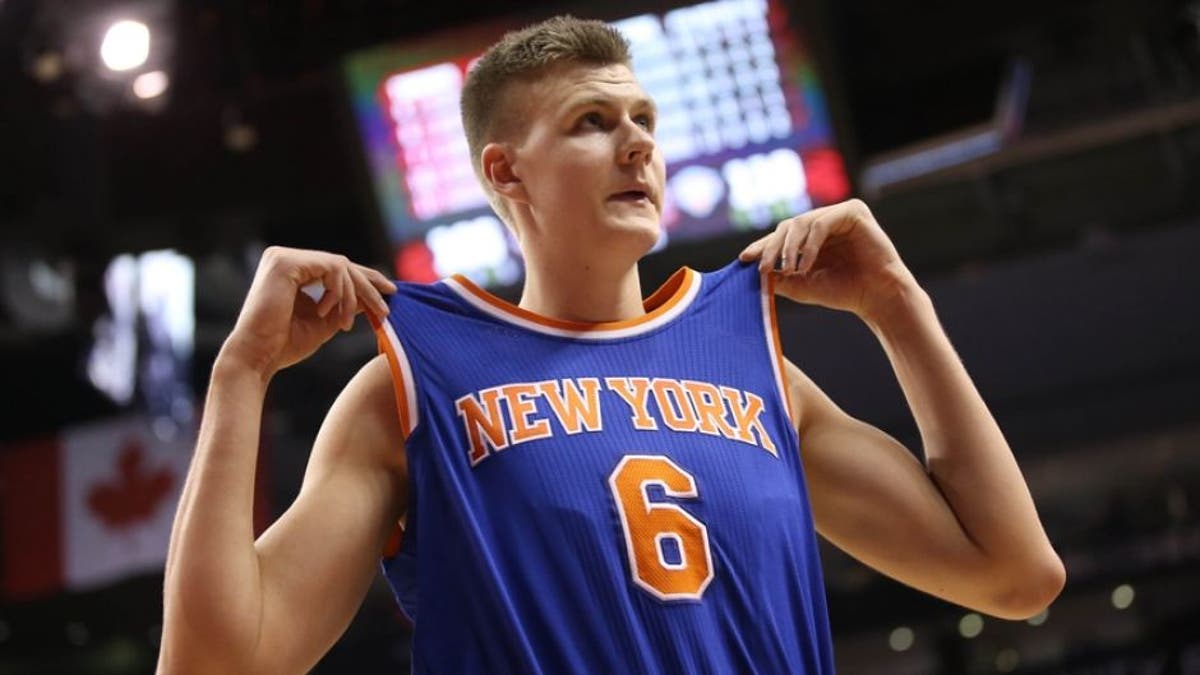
<point>589,481</point>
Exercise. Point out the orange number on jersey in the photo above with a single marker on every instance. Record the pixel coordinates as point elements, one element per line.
<point>646,524</point>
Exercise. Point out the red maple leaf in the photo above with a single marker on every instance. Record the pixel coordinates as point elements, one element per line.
<point>135,493</point>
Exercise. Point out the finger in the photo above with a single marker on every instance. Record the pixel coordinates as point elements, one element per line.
<point>368,294</point>
<point>797,256</point>
<point>349,300</point>
<point>789,254</point>
<point>333,293</point>
<point>771,251</point>
<point>785,247</point>
<point>818,232</point>
<point>754,250</point>
<point>377,279</point>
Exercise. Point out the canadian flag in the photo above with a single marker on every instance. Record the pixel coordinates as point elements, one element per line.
<point>89,507</point>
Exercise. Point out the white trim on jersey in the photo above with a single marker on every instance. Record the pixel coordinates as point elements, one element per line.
<point>410,386</point>
<point>691,287</point>
<point>769,331</point>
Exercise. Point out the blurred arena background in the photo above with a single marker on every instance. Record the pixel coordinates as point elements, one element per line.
<point>1037,164</point>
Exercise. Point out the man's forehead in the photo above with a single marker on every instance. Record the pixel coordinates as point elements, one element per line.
<point>560,88</point>
<point>580,83</point>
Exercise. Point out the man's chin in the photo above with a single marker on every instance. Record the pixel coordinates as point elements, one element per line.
<point>629,234</point>
<point>642,233</point>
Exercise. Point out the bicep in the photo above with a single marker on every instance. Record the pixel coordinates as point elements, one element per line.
<point>872,498</point>
<point>317,560</point>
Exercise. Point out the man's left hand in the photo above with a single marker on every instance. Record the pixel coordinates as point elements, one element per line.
<point>836,256</point>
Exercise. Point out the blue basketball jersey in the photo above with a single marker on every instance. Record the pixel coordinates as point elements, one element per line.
<point>620,497</point>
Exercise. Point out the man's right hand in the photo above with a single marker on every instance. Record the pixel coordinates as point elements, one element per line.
<point>280,325</point>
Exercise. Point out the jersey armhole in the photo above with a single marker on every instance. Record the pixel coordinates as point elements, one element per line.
<point>403,381</point>
<point>774,347</point>
<point>404,387</point>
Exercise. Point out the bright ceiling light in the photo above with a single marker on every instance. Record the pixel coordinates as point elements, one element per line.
<point>151,84</point>
<point>126,45</point>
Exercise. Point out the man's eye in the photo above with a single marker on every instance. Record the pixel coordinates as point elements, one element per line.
<point>592,119</point>
<point>646,121</point>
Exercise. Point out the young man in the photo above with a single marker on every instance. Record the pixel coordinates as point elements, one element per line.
<point>590,482</point>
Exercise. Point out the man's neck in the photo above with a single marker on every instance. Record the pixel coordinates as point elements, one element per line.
<point>582,292</point>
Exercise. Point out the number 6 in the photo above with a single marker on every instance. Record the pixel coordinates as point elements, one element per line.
<point>646,524</point>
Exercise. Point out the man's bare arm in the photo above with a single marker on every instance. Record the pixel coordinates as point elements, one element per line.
<point>234,605</point>
<point>211,589</point>
<point>319,558</point>
<point>963,526</point>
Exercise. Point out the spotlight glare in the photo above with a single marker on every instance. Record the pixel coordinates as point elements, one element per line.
<point>1122,596</point>
<point>901,639</point>
<point>1039,618</point>
<point>48,67</point>
<point>241,137</point>
<point>970,625</point>
<point>1007,660</point>
<point>151,84</point>
<point>126,45</point>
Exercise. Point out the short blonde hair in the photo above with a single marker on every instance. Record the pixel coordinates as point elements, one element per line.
<point>524,56</point>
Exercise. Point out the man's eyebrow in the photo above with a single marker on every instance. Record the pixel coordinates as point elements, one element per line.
<point>609,102</point>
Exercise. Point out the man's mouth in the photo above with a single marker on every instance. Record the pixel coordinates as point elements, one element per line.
<point>631,196</point>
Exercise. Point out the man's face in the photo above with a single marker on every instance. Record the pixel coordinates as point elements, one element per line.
<point>588,162</point>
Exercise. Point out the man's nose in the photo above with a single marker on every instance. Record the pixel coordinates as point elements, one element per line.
<point>639,144</point>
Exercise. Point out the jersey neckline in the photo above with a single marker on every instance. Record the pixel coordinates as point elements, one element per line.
<point>662,306</point>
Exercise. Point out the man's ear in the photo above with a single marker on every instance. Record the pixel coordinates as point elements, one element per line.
<point>497,162</point>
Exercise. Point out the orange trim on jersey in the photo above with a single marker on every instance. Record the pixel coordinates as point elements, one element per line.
<point>787,397</point>
<point>398,385</point>
<point>392,547</point>
<point>674,290</point>
<point>396,537</point>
